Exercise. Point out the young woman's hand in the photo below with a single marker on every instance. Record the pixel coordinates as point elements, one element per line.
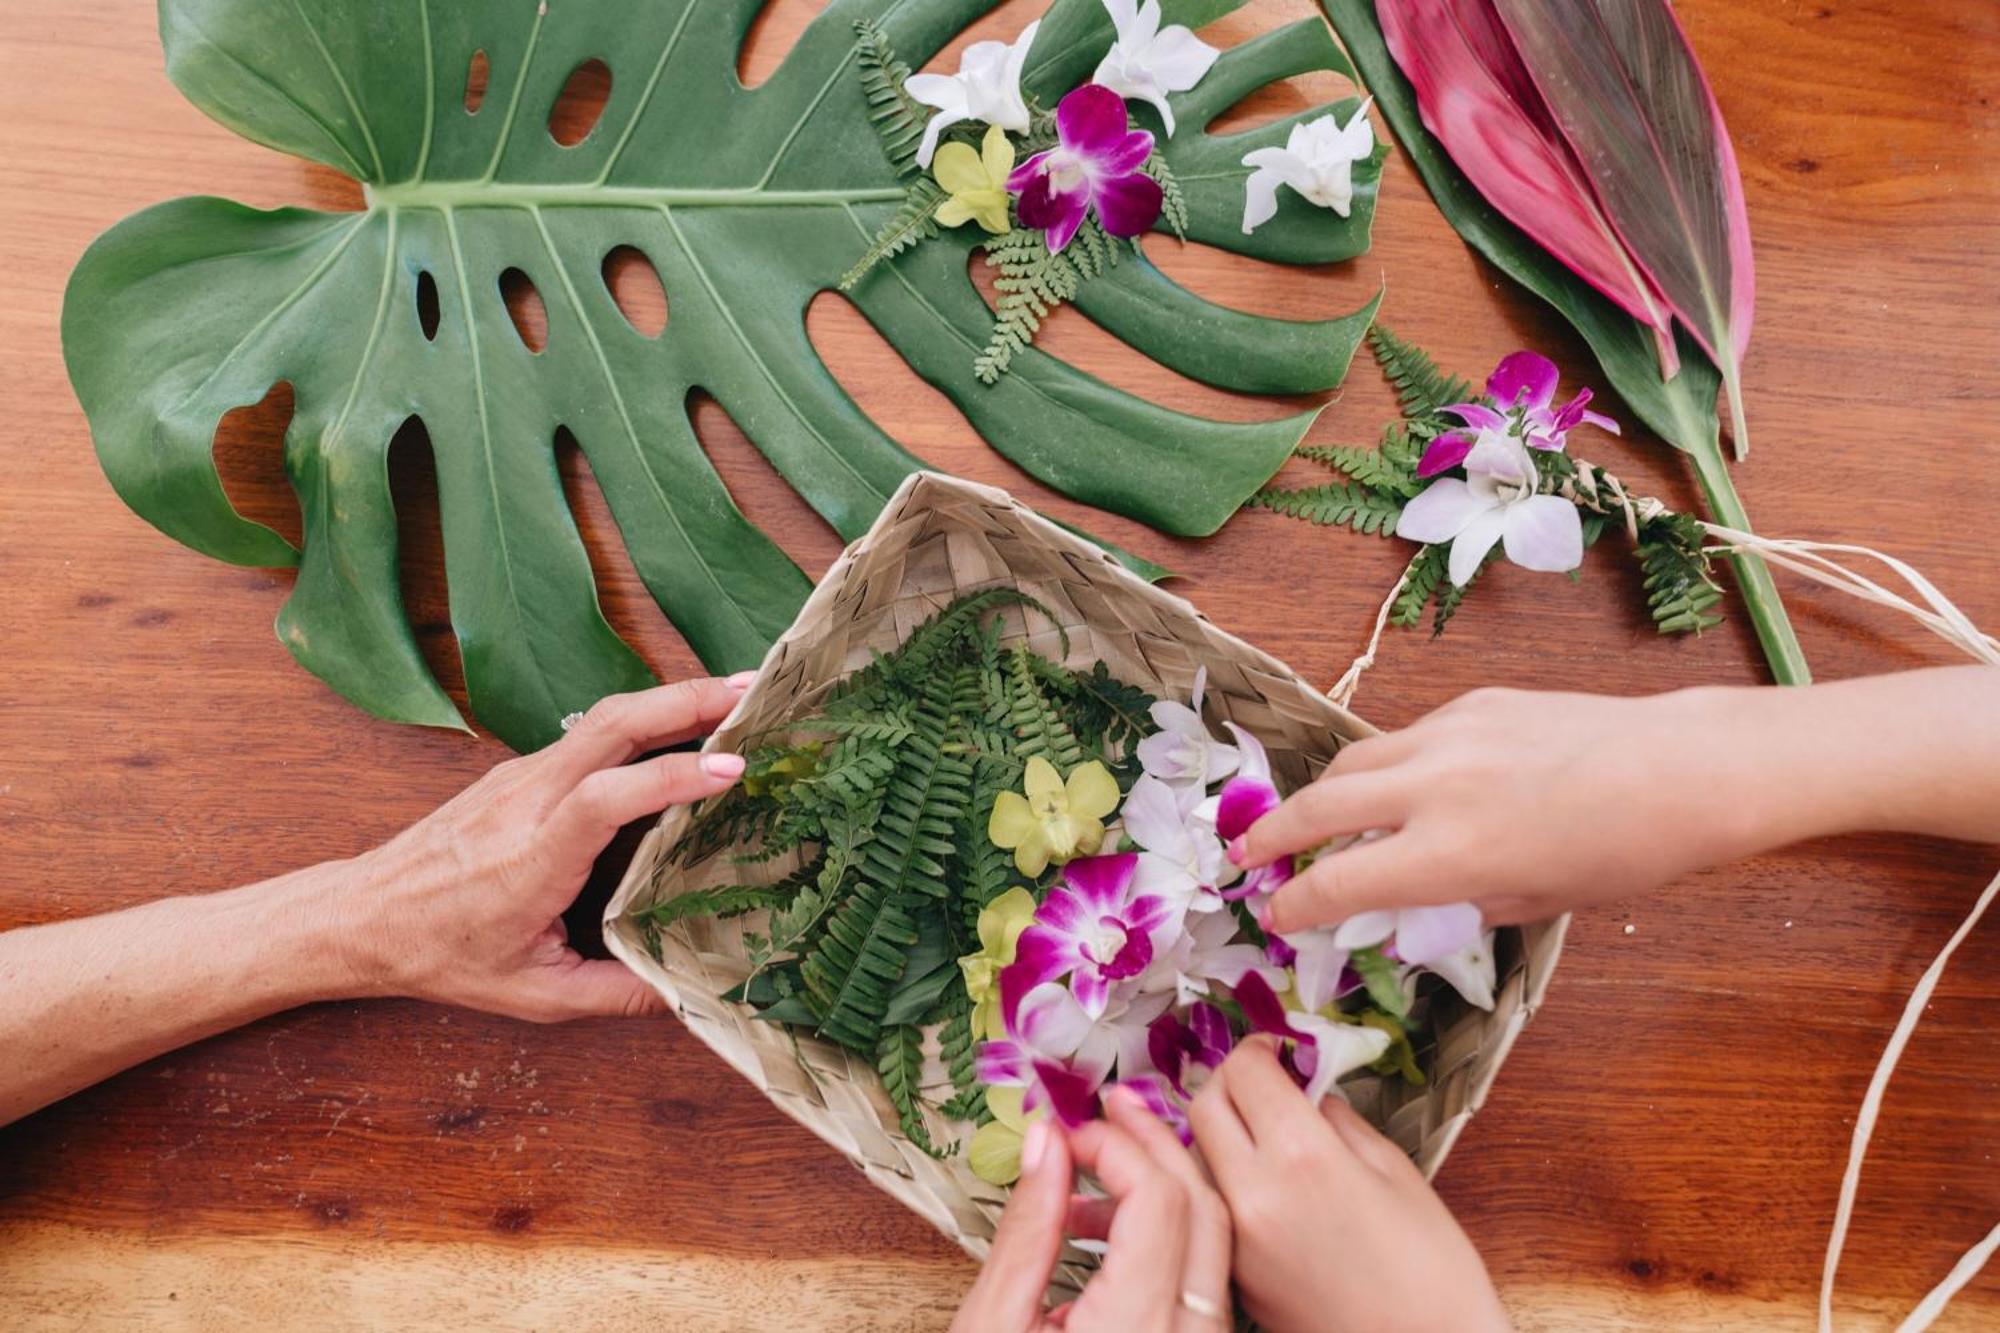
<point>465,907</point>
<point>1336,1230</point>
<point>1167,1266</point>
<point>1526,804</point>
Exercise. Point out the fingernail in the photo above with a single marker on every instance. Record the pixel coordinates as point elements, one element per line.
<point>723,765</point>
<point>1034,1147</point>
<point>741,680</point>
<point>1237,851</point>
<point>1126,1098</point>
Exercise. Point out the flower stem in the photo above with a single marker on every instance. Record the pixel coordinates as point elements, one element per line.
<point>1753,576</point>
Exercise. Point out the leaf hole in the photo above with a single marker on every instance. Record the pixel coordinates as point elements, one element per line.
<point>249,453</point>
<point>621,593</point>
<point>477,71</point>
<point>635,287</point>
<point>427,305</point>
<point>759,489</point>
<point>413,489</point>
<point>772,35</point>
<point>525,308</point>
<point>580,104</point>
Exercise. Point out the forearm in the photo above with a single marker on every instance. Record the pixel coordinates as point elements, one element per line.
<point>1915,752</point>
<point>81,1000</point>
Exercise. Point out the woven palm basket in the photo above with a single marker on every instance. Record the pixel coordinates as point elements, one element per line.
<point>937,539</point>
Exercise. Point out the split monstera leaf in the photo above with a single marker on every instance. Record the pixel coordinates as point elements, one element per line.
<point>748,202</point>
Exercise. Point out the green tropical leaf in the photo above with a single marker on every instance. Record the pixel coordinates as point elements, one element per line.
<point>748,202</point>
<point>1681,410</point>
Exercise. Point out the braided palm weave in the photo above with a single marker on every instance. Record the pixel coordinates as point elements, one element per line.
<point>937,539</point>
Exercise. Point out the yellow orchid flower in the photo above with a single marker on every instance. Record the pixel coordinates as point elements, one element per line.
<point>1055,822</point>
<point>995,1151</point>
<point>1000,927</point>
<point>976,182</point>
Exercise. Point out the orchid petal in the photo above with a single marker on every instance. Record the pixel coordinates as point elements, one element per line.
<point>1051,1021</point>
<point>1244,801</point>
<point>1041,955</point>
<point>1041,781</point>
<point>1444,453</point>
<point>994,1152</point>
<point>1179,59</point>
<point>1469,971</point>
<point>1500,457</point>
<point>1440,513</point>
<point>1523,379</point>
<point>1260,198</point>
<point>1337,1049</point>
<point>1127,205</point>
<point>1470,547</point>
<point>1092,791</point>
<point>1361,931</point>
<point>1543,532</point>
<point>1427,933</point>
<point>1261,1006</point>
<point>1100,883</point>
<point>1476,415</point>
<point>1091,120</point>
<point>1070,1095</point>
<point>1318,963</point>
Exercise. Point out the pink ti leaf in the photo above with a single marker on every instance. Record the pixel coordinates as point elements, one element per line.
<point>1623,85</point>
<point>1478,98</point>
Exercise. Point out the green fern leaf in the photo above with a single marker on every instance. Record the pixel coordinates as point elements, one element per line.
<point>900,1060</point>
<point>915,220</point>
<point>1036,721</point>
<point>1335,504</point>
<point>898,117</point>
<point>1421,579</point>
<point>1422,389</point>
<point>1173,203</point>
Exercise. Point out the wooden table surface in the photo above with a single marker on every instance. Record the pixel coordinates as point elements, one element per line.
<point>1664,1147</point>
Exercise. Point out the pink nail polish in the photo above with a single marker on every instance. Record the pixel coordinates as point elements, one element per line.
<point>741,680</point>
<point>1237,851</point>
<point>723,765</point>
<point>1034,1147</point>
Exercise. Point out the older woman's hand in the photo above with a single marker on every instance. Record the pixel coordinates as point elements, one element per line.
<point>465,907</point>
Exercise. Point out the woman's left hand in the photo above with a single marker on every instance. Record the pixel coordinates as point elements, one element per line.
<point>465,906</point>
<point>1167,1263</point>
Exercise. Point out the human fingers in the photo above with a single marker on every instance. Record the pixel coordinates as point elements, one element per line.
<point>1145,1266</point>
<point>1267,1101</point>
<point>578,987</point>
<point>1205,1286</point>
<point>1008,1296</point>
<point>1366,1142</point>
<point>608,799</point>
<point>1336,807</point>
<point>1395,871</point>
<point>1221,1135</point>
<point>620,726</point>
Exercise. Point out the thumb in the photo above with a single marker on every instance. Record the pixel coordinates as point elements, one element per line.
<point>1007,1298</point>
<point>585,988</point>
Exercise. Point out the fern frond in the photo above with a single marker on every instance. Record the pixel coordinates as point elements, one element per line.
<point>1421,578</point>
<point>1421,388</point>
<point>1679,578</point>
<point>1336,505</point>
<point>914,220</point>
<point>1033,281</point>
<point>958,1045</point>
<point>731,899</point>
<point>1173,203</point>
<point>898,117</point>
<point>900,1061</point>
<point>1374,468</point>
<point>1033,717</point>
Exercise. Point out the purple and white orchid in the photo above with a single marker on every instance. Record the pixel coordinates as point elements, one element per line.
<point>1055,1051</point>
<point>1095,166</point>
<point>1522,393</point>
<point>1498,502</point>
<point>1096,929</point>
<point>1418,935</point>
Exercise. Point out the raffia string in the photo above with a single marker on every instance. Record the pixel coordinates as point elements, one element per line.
<point>1600,492</point>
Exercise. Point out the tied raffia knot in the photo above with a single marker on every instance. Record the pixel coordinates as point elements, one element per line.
<point>1600,492</point>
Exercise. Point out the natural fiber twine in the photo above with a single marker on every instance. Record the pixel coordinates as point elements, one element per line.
<point>940,537</point>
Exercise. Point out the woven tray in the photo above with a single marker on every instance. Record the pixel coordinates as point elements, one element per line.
<point>938,538</point>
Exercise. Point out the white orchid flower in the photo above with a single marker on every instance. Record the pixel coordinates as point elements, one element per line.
<point>1337,1049</point>
<point>986,88</point>
<point>1180,858</point>
<point>1147,61</point>
<point>1469,971</point>
<point>1182,753</point>
<point>1317,161</point>
<point>1497,501</point>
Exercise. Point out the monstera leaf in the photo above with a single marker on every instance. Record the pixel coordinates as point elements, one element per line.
<point>747,202</point>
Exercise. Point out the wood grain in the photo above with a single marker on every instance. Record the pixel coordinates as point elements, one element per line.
<point>1664,1146</point>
